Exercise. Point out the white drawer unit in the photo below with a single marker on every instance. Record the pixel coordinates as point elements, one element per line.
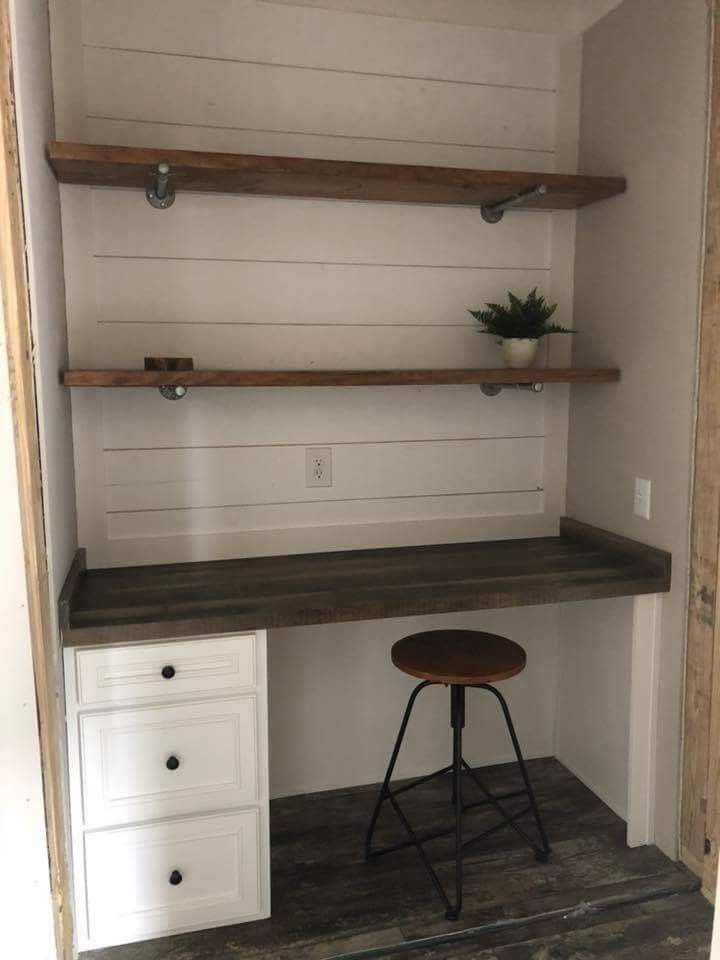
<point>140,881</point>
<point>167,746</point>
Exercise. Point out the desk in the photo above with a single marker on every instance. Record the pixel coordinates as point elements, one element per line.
<point>202,626</point>
<point>127,604</point>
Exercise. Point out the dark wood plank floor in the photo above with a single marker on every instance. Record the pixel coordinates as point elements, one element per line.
<point>594,899</point>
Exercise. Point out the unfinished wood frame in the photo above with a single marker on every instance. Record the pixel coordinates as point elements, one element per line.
<point>700,821</point>
<point>16,307</point>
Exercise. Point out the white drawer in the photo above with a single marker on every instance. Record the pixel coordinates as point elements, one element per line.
<point>127,877</point>
<point>126,760</point>
<point>124,675</point>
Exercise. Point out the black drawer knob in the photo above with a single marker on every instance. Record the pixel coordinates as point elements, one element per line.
<point>175,878</point>
<point>172,763</point>
<point>168,672</point>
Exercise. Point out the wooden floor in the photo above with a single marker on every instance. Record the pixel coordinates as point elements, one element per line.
<point>595,899</point>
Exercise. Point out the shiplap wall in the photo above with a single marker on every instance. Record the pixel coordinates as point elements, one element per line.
<point>273,283</point>
<point>263,282</point>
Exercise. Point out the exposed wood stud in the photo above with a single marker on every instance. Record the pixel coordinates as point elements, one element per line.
<point>701,760</point>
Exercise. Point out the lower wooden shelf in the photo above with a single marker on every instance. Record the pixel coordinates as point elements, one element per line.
<point>330,378</point>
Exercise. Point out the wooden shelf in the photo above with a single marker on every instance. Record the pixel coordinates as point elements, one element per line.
<point>111,166</point>
<point>328,378</point>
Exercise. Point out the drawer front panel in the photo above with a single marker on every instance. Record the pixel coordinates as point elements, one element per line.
<point>165,671</point>
<point>214,861</point>
<point>168,760</point>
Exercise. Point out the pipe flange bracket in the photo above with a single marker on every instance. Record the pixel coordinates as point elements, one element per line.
<point>161,193</point>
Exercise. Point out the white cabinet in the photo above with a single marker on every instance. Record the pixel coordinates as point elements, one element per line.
<point>169,792</point>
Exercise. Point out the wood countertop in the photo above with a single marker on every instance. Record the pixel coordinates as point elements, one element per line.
<point>129,604</point>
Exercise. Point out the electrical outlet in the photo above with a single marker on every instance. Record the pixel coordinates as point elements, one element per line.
<point>318,467</point>
<point>643,490</point>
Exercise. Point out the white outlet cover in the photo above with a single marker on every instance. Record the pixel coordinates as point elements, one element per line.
<point>318,467</point>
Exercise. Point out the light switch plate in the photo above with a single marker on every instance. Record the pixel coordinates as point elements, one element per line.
<point>643,491</point>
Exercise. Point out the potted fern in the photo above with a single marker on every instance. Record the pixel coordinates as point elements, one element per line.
<point>519,327</point>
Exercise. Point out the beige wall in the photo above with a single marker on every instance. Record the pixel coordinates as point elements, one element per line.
<point>638,259</point>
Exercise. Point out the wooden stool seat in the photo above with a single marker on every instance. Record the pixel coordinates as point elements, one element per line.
<point>463,657</point>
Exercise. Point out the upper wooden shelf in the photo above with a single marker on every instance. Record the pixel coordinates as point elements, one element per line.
<point>329,378</point>
<point>111,166</point>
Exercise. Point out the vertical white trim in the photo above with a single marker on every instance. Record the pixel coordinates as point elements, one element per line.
<point>643,719</point>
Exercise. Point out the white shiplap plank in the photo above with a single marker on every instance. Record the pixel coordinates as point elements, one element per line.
<point>538,16</point>
<point>220,227</point>
<point>313,539</point>
<point>178,136</point>
<point>224,292</point>
<point>244,347</point>
<point>204,522</point>
<point>167,88</point>
<point>142,419</point>
<point>234,476</point>
<point>332,40</point>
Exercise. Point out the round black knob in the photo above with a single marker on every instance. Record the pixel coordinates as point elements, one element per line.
<point>172,763</point>
<point>168,672</point>
<point>175,878</point>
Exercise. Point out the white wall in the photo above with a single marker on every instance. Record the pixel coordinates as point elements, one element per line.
<point>644,100</point>
<point>27,921</point>
<point>336,701</point>
<point>273,283</point>
<point>34,106</point>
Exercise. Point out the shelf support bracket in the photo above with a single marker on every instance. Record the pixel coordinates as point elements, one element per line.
<point>495,389</point>
<point>161,193</point>
<point>494,212</point>
<point>171,391</point>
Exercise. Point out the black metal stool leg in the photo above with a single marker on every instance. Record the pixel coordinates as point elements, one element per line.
<point>457,711</point>
<point>384,791</point>
<point>541,855</point>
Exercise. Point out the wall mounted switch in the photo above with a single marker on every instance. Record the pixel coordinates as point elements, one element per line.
<point>318,467</point>
<point>643,490</point>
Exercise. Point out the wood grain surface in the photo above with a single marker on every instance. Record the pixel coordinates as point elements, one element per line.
<point>124,604</point>
<point>117,166</point>
<point>329,378</point>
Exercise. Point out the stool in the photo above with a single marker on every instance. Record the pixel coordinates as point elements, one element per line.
<point>458,659</point>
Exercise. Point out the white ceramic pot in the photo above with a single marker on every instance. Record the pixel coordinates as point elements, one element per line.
<point>519,353</point>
